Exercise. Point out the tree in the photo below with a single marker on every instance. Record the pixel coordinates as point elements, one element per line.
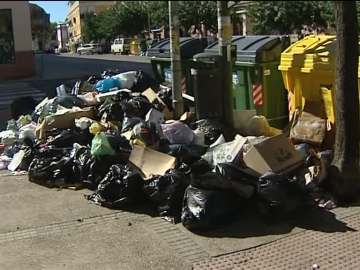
<point>286,17</point>
<point>131,17</point>
<point>89,27</point>
<point>345,172</point>
<point>159,13</point>
<point>195,12</point>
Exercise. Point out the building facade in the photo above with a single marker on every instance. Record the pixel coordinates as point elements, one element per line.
<point>16,56</point>
<point>240,8</point>
<point>76,11</point>
<point>62,36</point>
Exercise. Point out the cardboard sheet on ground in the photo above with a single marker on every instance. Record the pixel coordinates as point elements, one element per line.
<point>63,119</point>
<point>151,162</point>
<point>273,154</point>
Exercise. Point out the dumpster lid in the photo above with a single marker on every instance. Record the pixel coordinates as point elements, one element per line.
<point>207,57</point>
<point>256,49</point>
<point>188,47</point>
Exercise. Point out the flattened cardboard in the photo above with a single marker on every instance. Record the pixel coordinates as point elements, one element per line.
<point>64,120</point>
<point>151,162</point>
<point>273,154</point>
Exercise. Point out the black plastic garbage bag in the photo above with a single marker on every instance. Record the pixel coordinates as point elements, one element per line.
<point>165,94</point>
<point>120,145</point>
<point>144,81</point>
<point>110,111</point>
<point>11,150</point>
<point>185,153</point>
<point>211,128</point>
<point>51,152</point>
<point>206,209</point>
<point>146,132</point>
<point>200,167</point>
<point>27,159</point>
<point>225,176</point>
<point>167,192</point>
<point>277,195</point>
<point>130,122</point>
<point>52,172</point>
<point>121,186</point>
<point>70,136</point>
<point>137,106</point>
<point>210,180</point>
<point>93,170</point>
<point>241,180</point>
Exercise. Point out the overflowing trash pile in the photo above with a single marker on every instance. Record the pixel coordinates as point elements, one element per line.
<point>114,134</point>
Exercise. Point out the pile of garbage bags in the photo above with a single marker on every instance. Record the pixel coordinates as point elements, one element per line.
<point>114,134</point>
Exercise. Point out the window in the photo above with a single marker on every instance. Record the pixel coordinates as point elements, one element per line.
<point>7,47</point>
<point>74,20</point>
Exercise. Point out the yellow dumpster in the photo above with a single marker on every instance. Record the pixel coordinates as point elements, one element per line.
<point>308,71</point>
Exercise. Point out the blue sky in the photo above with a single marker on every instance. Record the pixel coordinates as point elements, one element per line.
<point>57,9</point>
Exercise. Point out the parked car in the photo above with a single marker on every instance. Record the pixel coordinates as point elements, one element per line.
<point>121,45</point>
<point>89,49</point>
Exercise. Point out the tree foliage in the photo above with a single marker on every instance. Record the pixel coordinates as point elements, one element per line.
<point>286,17</point>
<point>195,12</point>
<point>129,18</point>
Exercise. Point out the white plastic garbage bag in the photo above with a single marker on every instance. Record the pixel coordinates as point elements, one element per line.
<point>83,123</point>
<point>27,131</point>
<point>15,162</point>
<point>8,137</point>
<point>4,162</point>
<point>126,79</point>
<point>178,133</point>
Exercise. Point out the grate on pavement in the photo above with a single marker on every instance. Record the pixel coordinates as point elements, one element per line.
<point>337,250</point>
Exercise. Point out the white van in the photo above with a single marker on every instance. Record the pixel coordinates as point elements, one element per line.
<point>121,45</point>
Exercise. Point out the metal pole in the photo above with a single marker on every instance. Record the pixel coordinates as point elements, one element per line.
<point>225,35</point>
<point>178,104</point>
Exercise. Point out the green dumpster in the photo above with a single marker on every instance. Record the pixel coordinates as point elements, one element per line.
<point>161,60</point>
<point>257,83</point>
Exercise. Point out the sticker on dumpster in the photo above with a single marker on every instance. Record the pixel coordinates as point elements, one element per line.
<point>267,72</point>
<point>235,79</point>
<point>257,94</point>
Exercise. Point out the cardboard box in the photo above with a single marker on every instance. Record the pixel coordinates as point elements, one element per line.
<point>273,154</point>
<point>151,162</point>
<point>63,119</point>
<point>153,98</point>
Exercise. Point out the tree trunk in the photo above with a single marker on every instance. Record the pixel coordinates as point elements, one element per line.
<point>344,173</point>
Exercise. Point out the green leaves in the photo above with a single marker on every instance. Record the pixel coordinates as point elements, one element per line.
<point>286,17</point>
<point>131,17</point>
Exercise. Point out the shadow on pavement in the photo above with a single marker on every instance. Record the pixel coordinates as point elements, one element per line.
<point>252,224</point>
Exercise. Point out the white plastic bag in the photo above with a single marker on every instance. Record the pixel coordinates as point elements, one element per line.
<point>178,133</point>
<point>126,79</point>
<point>28,131</point>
